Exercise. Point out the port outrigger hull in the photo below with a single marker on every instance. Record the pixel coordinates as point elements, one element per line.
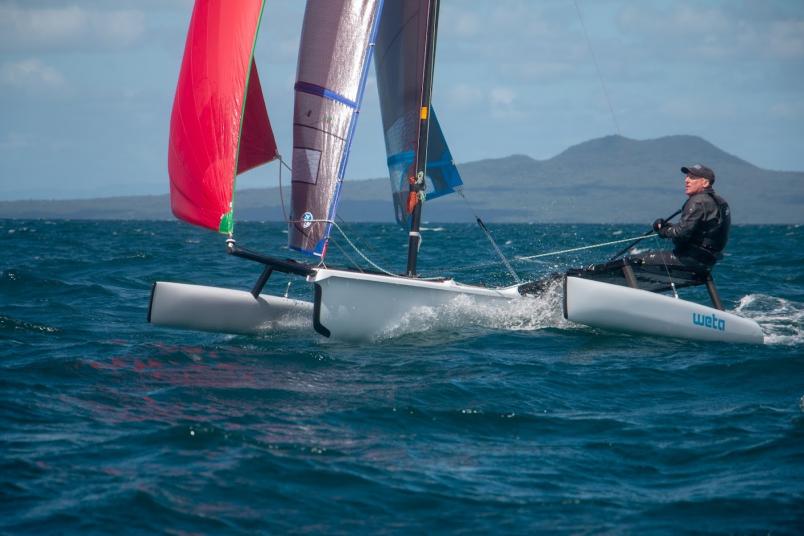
<point>204,308</point>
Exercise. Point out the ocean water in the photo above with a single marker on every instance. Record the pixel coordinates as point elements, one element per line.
<point>467,421</point>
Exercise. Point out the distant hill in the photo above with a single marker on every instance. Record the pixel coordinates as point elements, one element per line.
<point>605,180</point>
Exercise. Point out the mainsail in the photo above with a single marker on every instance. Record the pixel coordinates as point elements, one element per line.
<point>400,64</point>
<point>334,55</point>
<point>219,126</point>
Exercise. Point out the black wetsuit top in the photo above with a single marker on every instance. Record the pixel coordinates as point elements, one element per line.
<point>703,231</point>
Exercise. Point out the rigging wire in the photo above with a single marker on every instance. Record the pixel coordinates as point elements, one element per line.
<point>352,245</point>
<point>281,193</point>
<point>375,266</point>
<point>531,257</point>
<point>345,254</point>
<point>572,250</point>
<point>366,246</point>
<point>491,238</point>
<point>597,67</point>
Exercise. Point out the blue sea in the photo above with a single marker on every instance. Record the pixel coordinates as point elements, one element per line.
<point>509,421</point>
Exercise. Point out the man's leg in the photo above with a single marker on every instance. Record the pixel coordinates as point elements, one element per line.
<point>658,258</point>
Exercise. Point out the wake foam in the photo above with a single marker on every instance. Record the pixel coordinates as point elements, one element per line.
<point>781,320</point>
<point>291,321</point>
<point>526,314</point>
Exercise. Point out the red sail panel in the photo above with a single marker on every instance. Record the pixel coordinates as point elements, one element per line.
<point>257,142</point>
<point>209,110</point>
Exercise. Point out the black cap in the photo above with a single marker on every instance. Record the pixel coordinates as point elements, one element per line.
<point>701,171</point>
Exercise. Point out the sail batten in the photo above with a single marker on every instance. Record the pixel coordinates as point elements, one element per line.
<point>313,89</point>
<point>219,125</point>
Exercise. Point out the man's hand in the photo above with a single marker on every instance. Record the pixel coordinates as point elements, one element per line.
<point>659,224</point>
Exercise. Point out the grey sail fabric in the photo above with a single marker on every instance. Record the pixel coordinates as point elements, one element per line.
<point>334,55</point>
<point>399,63</point>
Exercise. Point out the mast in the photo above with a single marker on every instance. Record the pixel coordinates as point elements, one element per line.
<point>417,181</point>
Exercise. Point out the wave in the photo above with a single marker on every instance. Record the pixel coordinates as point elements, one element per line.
<point>781,320</point>
<point>9,324</point>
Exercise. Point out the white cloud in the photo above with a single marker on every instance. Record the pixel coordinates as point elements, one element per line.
<point>464,95</point>
<point>70,27</point>
<point>502,96</point>
<point>502,101</point>
<point>31,74</point>
<point>695,30</point>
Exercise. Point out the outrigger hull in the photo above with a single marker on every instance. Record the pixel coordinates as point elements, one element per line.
<point>620,308</point>
<point>203,308</point>
<point>361,306</point>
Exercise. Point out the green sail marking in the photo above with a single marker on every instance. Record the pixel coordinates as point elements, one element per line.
<point>227,223</point>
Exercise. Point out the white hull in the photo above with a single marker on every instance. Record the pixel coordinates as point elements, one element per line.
<point>607,306</point>
<point>197,307</point>
<point>359,306</point>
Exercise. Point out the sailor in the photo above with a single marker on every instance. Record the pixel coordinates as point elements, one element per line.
<point>703,230</point>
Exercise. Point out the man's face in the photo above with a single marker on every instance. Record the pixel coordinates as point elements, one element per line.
<point>694,185</point>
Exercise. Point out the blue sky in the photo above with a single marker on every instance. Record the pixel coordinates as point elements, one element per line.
<point>86,86</point>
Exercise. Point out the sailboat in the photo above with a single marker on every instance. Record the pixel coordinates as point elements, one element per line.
<point>339,39</point>
<point>354,304</point>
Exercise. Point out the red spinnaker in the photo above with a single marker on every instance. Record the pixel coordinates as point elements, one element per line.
<point>219,126</point>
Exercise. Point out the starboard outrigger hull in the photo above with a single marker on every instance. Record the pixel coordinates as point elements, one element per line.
<point>620,308</point>
<point>203,308</point>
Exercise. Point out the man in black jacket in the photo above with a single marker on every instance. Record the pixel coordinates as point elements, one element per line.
<point>703,231</point>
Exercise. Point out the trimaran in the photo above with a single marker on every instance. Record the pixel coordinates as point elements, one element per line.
<point>220,128</point>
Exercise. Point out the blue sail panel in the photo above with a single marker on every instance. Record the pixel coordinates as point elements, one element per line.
<point>442,175</point>
<point>441,171</point>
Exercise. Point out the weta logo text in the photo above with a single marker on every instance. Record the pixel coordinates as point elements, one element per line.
<point>709,321</point>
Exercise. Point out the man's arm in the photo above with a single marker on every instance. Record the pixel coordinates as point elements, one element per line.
<point>690,219</point>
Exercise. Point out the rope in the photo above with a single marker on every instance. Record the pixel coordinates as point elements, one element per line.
<point>597,67</point>
<point>603,244</point>
<point>667,271</point>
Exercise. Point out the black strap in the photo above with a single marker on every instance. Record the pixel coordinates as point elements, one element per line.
<point>719,205</point>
